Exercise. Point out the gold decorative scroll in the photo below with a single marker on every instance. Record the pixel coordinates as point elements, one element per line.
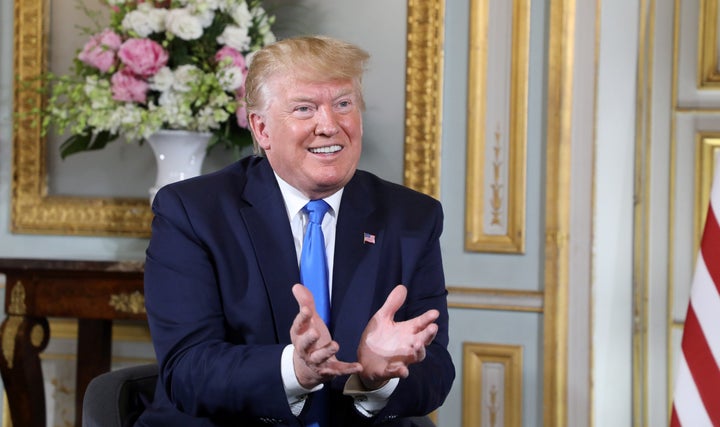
<point>708,67</point>
<point>423,95</point>
<point>495,198</point>
<point>488,402</point>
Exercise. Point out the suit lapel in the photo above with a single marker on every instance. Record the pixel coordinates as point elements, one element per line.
<point>271,237</point>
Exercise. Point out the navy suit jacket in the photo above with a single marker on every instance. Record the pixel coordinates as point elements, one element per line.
<point>218,276</point>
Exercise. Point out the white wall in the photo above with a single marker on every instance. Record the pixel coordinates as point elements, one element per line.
<point>613,222</point>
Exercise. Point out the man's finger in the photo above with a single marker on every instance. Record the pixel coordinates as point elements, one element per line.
<point>302,321</point>
<point>303,296</point>
<point>424,320</point>
<point>430,332</point>
<point>393,302</point>
<point>335,368</point>
<point>320,355</point>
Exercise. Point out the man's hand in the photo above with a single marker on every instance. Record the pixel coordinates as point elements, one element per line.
<point>387,348</point>
<point>314,357</point>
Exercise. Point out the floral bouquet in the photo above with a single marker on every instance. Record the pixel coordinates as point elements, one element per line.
<point>161,64</point>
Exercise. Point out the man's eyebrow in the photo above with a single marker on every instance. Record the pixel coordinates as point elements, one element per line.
<point>311,98</point>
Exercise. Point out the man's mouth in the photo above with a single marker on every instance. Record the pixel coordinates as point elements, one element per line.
<point>326,150</point>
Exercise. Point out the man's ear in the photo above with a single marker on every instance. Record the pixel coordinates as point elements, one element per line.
<point>259,129</point>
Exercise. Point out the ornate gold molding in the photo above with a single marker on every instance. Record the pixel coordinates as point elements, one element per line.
<point>423,95</point>
<point>34,211</point>
<point>495,299</point>
<point>557,211</point>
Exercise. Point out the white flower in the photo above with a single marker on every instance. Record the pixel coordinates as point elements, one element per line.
<point>241,15</point>
<point>168,99</point>
<point>221,101</point>
<point>145,20</point>
<point>162,80</point>
<point>235,37</point>
<point>183,76</point>
<point>202,6</point>
<point>205,119</point>
<point>183,24</point>
<point>269,38</point>
<point>231,78</point>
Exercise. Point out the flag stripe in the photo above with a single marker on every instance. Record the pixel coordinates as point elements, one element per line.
<point>701,364</point>
<point>696,402</point>
<point>710,246</point>
<point>674,421</point>
<point>705,301</point>
<point>688,405</point>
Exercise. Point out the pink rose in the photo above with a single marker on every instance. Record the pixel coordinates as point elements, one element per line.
<point>241,112</point>
<point>238,60</point>
<point>143,57</point>
<point>241,116</point>
<point>99,51</point>
<point>126,87</point>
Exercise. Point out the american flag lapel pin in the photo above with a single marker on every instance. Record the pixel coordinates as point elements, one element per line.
<point>368,238</point>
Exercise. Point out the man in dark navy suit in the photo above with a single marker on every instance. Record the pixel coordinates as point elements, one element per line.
<point>238,339</point>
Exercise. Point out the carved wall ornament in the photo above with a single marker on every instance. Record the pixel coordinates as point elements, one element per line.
<point>12,324</point>
<point>128,303</point>
<point>17,299</point>
<point>37,336</point>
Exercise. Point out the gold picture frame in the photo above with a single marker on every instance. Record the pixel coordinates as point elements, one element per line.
<point>708,148</point>
<point>708,68</point>
<point>492,385</point>
<point>497,126</point>
<point>423,95</point>
<point>35,211</point>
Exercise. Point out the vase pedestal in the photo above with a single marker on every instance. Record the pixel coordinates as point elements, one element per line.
<point>179,155</point>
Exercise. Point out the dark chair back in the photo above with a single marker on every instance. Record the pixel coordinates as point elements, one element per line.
<point>117,398</point>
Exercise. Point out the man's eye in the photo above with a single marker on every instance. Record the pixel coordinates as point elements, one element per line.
<point>344,104</point>
<point>303,109</point>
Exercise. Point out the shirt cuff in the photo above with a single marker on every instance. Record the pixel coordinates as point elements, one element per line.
<point>369,402</point>
<point>295,393</point>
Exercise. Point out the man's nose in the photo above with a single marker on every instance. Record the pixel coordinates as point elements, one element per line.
<point>326,122</point>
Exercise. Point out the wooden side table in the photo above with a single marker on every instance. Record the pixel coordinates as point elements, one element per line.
<point>94,292</point>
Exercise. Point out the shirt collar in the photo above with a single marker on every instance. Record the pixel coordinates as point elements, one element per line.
<point>295,200</point>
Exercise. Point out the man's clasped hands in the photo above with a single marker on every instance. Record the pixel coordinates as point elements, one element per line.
<point>385,351</point>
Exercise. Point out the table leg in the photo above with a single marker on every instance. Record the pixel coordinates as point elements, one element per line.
<point>94,352</point>
<point>23,338</point>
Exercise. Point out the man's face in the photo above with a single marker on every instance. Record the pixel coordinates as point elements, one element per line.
<point>311,133</point>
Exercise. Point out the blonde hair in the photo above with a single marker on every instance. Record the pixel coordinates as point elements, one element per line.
<point>312,58</point>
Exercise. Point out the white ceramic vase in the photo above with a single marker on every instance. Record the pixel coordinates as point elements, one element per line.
<point>179,155</point>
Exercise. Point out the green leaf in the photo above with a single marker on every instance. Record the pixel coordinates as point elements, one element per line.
<point>85,142</point>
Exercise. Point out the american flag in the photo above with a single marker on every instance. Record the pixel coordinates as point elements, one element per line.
<point>696,401</point>
<point>369,238</point>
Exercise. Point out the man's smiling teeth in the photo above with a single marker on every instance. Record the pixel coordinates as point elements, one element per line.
<point>326,150</point>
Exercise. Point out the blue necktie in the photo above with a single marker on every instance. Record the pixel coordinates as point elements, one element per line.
<point>313,261</point>
<point>314,275</point>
